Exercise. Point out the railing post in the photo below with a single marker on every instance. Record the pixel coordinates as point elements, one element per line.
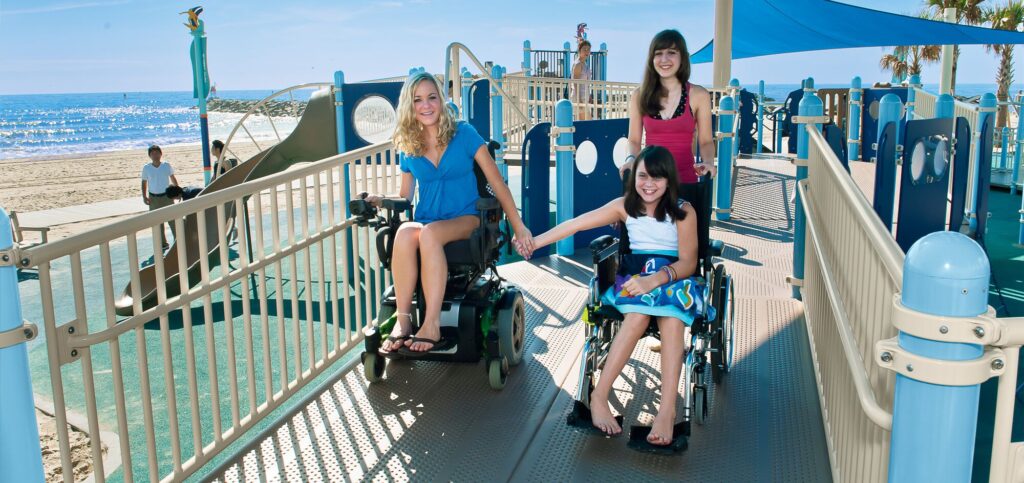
<point>497,127</point>
<point>944,106</point>
<point>734,92</point>
<point>1005,134</point>
<point>726,111</point>
<point>528,72</point>
<point>986,109</point>
<point>912,85</point>
<point>760,116</point>
<point>339,122</point>
<point>945,274</point>
<point>567,61</point>
<point>20,455</point>
<point>853,128</point>
<point>467,83</point>
<point>604,77</point>
<point>565,167</point>
<point>1016,154</point>
<point>810,107</point>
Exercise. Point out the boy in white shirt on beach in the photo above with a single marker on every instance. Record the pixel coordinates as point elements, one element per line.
<point>156,177</point>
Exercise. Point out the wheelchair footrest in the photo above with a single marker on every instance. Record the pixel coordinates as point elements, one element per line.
<point>680,441</point>
<point>580,419</point>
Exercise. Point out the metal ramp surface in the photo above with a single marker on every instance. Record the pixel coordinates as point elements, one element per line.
<point>441,422</point>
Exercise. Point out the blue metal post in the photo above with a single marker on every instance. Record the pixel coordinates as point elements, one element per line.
<point>604,77</point>
<point>1005,133</point>
<point>497,128</point>
<point>944,107</point>
<point>339,123</point>
<point>734,87</point>
<point>933,426</point>
<point>810,105</point>
<point>201,90</point>
<point>885,176</point>
<point>777,129</point>
<point>888,111</point>
<point>467,82</point>
<point>853,129</point>
<point>564,172</point>
<point>914,84</point>
<point>986,109</point>
<point>726,111</point>
<point>567,61</point>
<point>1016,158</point>
<point>528,72</point>
<point>760,115</point>
<point>20,456</point>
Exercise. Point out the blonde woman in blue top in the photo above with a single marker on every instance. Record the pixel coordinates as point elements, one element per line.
<point>439,153</point>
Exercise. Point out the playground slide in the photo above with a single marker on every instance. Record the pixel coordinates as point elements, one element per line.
<point>314,138</point>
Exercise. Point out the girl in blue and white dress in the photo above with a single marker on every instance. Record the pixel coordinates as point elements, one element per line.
<point>654,280</point>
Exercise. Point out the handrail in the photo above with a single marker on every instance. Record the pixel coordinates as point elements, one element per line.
<point>865,395</point>
<point>487,75</point>
<point>259,105</point>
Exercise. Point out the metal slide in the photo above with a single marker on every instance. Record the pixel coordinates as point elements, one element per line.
<point>314,138</point>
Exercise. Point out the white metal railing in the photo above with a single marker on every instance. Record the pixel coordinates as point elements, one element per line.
<point>183,379</point>
<point>853,268</point>
<point>924,103</point>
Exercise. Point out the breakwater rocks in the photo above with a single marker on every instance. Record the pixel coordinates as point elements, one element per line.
<point>274,108</point>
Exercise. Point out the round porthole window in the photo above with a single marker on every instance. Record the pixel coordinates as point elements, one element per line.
<point>940,160</point>
<point>375,119</point>
<point>586,157</point>
<point>620,151</point>
<point>917,161</point>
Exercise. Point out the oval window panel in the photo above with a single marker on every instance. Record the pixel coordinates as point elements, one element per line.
<point>586,157</point>
<point>375,119</point>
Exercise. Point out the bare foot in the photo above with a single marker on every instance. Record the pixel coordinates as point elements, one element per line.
<point>399,334</point>
<point>430,332</point>
<point>601,415</point>
<point>661,430</point>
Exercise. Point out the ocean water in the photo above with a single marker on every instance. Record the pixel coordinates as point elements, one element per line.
<point>54,124</point>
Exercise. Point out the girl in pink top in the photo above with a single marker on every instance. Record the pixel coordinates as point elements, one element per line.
<point>670,111</point>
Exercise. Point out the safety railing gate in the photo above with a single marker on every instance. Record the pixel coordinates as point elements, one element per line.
<point>184,377</point>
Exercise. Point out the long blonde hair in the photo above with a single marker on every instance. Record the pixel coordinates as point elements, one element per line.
<point>408,135</point>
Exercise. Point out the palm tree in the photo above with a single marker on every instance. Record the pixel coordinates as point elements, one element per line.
<point>1007,16</point>
<point>968,12</point>
<point>907,60</point>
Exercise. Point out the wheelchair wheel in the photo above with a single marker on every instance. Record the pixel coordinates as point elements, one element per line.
<point>373,366</point>
<point>497,373</point>
<point>720,293</point>
<point>512,326</point>
<point>700,405</point>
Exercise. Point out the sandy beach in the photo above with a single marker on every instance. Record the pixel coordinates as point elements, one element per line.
<point>42,183</point>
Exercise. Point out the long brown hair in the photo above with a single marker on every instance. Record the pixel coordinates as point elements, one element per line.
<point>650,91</point>
<point>659,163</point>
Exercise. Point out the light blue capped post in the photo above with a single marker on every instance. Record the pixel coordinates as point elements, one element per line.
<point>945,274</point>
<point>200,84</point>
<point>497,128</point>
<point>760,116</point>
<point>339,123</point>
<point>564,170</point>
<point>853,137</point>
<point>604,77</point>
<point>723,185</point>
<point>20,456</point>
<point>567,61</point>
<point>1005,136</point>
<point>914,83</point>
<point>467,83</point>
<point>810,111</point>
<point>734,91</point>
<point>944,107</point>
<point>986,109</point>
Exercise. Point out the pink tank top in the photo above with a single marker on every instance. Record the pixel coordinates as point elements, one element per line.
<point>676,135</point>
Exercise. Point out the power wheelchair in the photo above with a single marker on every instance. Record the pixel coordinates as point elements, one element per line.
<point>710,353</point>
<point>482,315</point>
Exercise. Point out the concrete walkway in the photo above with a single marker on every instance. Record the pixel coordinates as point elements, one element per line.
<point>80,213</point>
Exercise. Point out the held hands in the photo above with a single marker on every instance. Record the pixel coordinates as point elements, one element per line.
<point>371,199</point>
<point>523,242</point>
<point>705,168</point>
<point>636,286</point>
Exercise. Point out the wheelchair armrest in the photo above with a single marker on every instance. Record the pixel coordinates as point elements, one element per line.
<point>362,210</point>
<point>604,246</point>
<point>716,247</point>
<point>487,204</point>
<point>396,204</point>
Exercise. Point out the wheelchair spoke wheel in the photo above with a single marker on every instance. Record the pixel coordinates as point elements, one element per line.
<point>719,344</point>
<point>729,321</point>
<point>512,326</point>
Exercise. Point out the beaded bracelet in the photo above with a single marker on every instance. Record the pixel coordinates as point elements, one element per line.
<point>668,271</point>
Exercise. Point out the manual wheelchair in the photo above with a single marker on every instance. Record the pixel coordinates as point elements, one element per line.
<point>482,315</point>
<point>710,353</point>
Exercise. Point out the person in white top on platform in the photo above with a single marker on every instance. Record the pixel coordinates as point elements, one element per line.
<point>156,177</point>
<point>581,71</point>
<point>662,233</point>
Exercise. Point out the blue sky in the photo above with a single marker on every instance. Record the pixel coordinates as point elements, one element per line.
<point>123,45</point>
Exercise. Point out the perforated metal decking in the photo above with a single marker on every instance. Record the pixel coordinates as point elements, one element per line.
<point>441,422</point>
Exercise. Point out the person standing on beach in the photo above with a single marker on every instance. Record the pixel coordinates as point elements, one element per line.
<point>157,176</point>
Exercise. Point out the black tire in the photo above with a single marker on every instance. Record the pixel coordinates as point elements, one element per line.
<point>700,405</point>
<point>512,326</point>
<point>719,366</point>
<point>373,366</point>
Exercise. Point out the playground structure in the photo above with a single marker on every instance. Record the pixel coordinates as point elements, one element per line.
<point>285,310</point>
